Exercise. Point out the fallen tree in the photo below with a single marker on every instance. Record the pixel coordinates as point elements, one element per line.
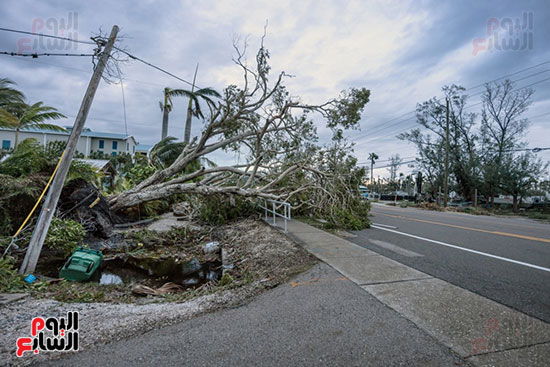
<point>276,134</point>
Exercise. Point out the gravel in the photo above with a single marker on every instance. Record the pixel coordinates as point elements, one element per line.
<point>100,323</point>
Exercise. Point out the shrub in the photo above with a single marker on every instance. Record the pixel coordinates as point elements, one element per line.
<point>218,209</point>
<point>64,235</point>
<point>9,279</point>
<point>17,196</point>
<point>354,217</point>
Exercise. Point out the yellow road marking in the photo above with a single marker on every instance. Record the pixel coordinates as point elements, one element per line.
<point>316,280</point>
<point>483,217</point>
<point>547,240</point>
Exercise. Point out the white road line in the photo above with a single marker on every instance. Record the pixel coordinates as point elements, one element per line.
<point>395,248</point>
<point>465,249</point>
<point>385,225</point>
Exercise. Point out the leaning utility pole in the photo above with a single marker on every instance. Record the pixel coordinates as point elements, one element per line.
<point>48,210</point>
<point>446,183</point>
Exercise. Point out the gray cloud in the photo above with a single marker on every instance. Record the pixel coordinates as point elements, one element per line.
<point>403,51</point>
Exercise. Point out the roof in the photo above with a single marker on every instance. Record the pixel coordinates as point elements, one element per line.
<point>86,132</point>
<point>96,163</point>
<point>143,147</point>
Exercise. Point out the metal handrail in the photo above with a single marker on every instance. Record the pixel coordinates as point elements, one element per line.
<point>275,205</point>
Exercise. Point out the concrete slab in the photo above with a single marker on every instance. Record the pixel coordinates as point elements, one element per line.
<point>534,356</point>
<point>374,269</point>
<point>462,320</point>
<point>326,251</point>
<point>11,297</point>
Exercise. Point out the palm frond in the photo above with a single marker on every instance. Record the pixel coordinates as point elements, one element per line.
<point>9,95</point>
<point>50,127</point>
<point>7,119</point>
<point>207,92</point>
<point>180,93</point>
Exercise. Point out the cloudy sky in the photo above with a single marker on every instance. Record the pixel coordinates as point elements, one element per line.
<point>404,52</point>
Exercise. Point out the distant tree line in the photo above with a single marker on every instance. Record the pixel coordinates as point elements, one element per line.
<point>489,155</point>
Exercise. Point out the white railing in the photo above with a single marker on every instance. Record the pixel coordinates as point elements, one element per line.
<point>273,207</point>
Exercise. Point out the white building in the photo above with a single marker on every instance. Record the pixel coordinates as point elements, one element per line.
<point>89,141</point>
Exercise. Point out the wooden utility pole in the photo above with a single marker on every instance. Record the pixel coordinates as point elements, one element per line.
<point>446,183</point>
<point>48,210</point>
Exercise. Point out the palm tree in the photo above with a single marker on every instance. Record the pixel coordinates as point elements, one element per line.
<point>31,116</point>
<point>194,108</point>
<point>8,97</point>
<point>166,108</point>
<point>372,158</point>
<point>166,151</point>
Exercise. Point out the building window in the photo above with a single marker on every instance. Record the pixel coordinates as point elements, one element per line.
<point>6,144</point>
<point>114,154</point>
<point>134,149</point>
<point>115,145</point>
<point>127,147</point>
<point>101,144</point>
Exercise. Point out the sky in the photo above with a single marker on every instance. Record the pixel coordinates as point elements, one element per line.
<point>404,52</point>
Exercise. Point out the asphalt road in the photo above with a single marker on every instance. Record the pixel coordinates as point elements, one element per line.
<point>504,259</point>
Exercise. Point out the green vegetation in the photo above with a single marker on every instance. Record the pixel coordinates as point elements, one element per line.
<point>18,115</point>
<point>218,209</point>
<point>64,235</point>
<point>10,281</point>
<point>487,155</point>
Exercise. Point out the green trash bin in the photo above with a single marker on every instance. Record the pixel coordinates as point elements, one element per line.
<point>81,265</point>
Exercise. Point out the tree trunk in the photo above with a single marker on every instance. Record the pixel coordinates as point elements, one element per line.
<point>16,138</point>
<point>164,122</point>
<point>187,135</point>
<point>515,203</point>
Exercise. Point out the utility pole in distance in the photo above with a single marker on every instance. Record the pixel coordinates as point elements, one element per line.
<point>48,209</point>
<point>446,183</point>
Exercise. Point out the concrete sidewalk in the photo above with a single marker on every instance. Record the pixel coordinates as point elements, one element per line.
<point>483,332</point>
<point>319,319</point>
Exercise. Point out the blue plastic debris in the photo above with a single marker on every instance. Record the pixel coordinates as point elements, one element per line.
<point>30,278</point>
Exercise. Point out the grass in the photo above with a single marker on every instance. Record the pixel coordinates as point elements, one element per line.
<point>314,222</point>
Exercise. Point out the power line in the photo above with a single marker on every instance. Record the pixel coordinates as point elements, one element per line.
<point>360,135</point>
<point>90,72</point>
<point>470,106</point>
<point>535,150</point>
<point>93,43</point>
<point>398,164</point>
<point>509,75</point>
<point>517,80</point>
<point>35,55</point>
<point>155,67</point>
<point>47,36</point>
<point>385,160</point>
